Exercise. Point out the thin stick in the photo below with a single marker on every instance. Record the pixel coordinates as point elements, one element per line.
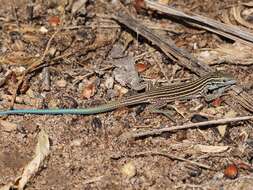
<point>163,153</point>
<point>92,180</point>
<point>191,125</point>
<point>160,67</point>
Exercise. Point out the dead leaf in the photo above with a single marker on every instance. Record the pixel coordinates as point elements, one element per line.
<point>231,171</point>
<point>109,82</point>
<point>61,83</point>
<point>43,30</point>
<point>138,4</point>
<point>41,152</point>
<point>120,90</point>
<point>125,73</point>
<point>79,5</point>
<point>141,67</point>
<point>216,102</point>
<point>89,90</point>
<point>210,149</point>
<point>54,20</point>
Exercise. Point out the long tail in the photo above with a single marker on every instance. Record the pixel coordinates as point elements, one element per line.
<point>81,111</point>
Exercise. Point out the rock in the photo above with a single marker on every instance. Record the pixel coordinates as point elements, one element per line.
<point>61,83</point>
<point>129,170</point>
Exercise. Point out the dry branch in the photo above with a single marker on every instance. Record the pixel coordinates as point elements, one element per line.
<point>188,126</point>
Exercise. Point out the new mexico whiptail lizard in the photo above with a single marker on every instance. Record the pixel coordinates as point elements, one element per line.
<point>182,91</point>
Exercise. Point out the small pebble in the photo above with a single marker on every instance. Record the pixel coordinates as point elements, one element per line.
<point>61,83</point>
<point>76,142</point>
<point>141,67</point>
<point>109,82</point>
<point>43,30</point>
<point>89,90</point>
<point>96,123</point>
<point>120,89</point>
<point>30,93</point>
<point>18,70</point>
<point>198,118</point>
<point>194,171</point>
<point>129,170</point>
<point>231,171</point>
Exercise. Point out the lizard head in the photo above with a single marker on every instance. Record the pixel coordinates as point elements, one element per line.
<point>219,79</point>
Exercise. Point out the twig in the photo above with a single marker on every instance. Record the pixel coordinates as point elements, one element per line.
<point>92,180</point>
<point>187,126</point>
<point>160,67</point>
<point>173,157</point>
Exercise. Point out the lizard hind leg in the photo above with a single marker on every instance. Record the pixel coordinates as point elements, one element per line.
<point>157,106</point>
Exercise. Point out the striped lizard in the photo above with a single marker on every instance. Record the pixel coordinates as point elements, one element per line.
<point>202,87</point>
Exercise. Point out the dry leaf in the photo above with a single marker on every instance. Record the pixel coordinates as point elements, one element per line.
<point>43,30</point>
<point>109,82</point>
<point>79,5</point>
<point>120,90</point>
<point>61,83</point>
<point>216,102</point>
<point>54,20</point>
<point>210,149</point>
<point>126,73</point>
<point>89,90</point>
<point>141,67</point>
<point>138,4</point>
<point>41,152</point>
